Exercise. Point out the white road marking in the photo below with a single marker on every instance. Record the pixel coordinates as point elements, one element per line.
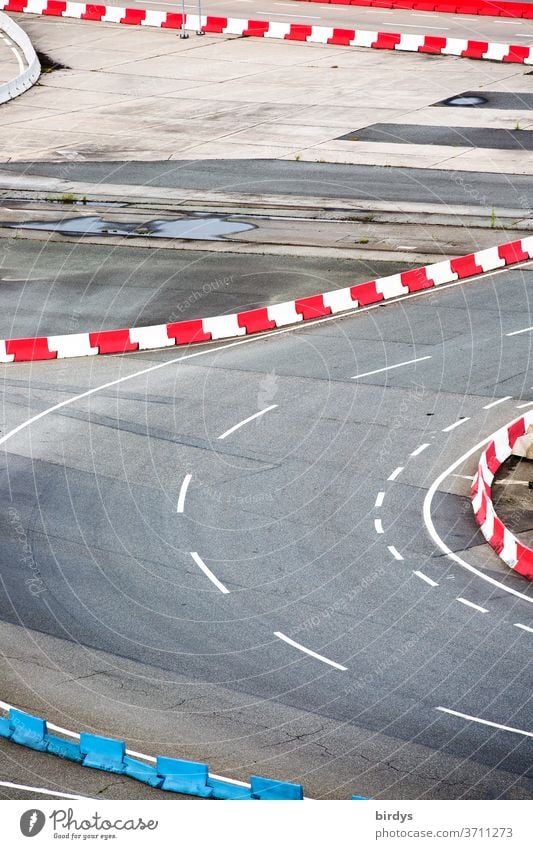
<point>485,722</point>
<point>425,578</point>
<point>415,26</point>
<point>419,450</point>
<point>183,492</point>
<point>42,790</point>
<point>471,604</point>
<point>517,332</point>
<point>309,652</point>
<point>498,401</point>
<point>456,424</point>
<point>389,368</point>
<point>283,15</point>
<point>465,477</point>
<point>523,627</point>
<point>395,553</point>
<point>521,406</point>
<point>428,520</point>
<point>379,499</point>
<point>378,524</point>
<point>245,421</point>
<point>200,563</point>
<point>395,473</point>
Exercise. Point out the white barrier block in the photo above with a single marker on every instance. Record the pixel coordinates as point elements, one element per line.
<point>484,470</point>
<point>363,38</point>
<point>74,10</point>
<point>410,42</point>
<point>509,552</point>
<point>391,287</point>
<point>527,245</point>
<point>284,314</point>
<point>501,445</point>
<point>154,18</point>
<point>71,345</point>
<point>194,22</point>
<point>235,26</point>
<point>114,14</point>
<point>477,500</point>
<point>489,259</point>
<point>487,528</point>
<point>36,7</point>
<point>277,30</point>
<point>223,326</point>
<point>455,46</point>
<point>320,35</point>
<point>496,51</point>
<point>339,300</point>
<point>441,272</point>
<point>4,356</point>
<point>151,337</point>
<point>529,59</point>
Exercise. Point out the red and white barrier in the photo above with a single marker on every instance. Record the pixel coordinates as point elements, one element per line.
<point>513,552</point>
<point>265,318</point>
<point>494,51</point>
<point>453,7</point>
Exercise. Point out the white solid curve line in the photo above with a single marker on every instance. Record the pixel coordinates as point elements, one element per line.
<point>485,722</point>
<point>471,604</point>
<point>205,569</point>
<point>517,332</point>
<point>395,553</point>
<point>42,790</point>
<point>395,473</point>
<point>523,627</point>
<point>389,368</point>
<point>497,401</point>
<point>379,499</point>
<point>456,424</point>
<point>183,492</point>
<point>378,525</point>
<point>419,450</point>
<point>425,578</point>
<point>245,421</point>
<point>309,652</point>
<point>428,521</point>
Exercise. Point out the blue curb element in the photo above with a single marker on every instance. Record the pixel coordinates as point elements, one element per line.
<point>28,730</point>
<point>226,790</point>
<point>184,777</point>
<point>102,752</point>
<point>269,788</point>
<point>63,748</point>
<point>361,798</point>
<point>5,727</point>
<point>142,772</point>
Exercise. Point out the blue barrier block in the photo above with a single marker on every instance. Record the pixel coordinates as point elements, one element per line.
<point>102,752</point>
<point>363,798</point>
<point>28,730</point>
<point>63,748</point>
<point>226,790</point>
<point>269,788</point>
<point>184,777</point>
<point>142,772</point>
<point>5,728</point>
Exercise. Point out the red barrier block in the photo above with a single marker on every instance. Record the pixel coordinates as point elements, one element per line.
<point>113,342</point>
<point>366,293</point>
<point>488,11</point>
<point>527,12</point>
<point>433,44</point>
<point>490,455</point>
<point>517,53</point>
<point>341,36</point>
<point>215,24</point>
<point>386,40</point>
<point>185,332</point>
<point>496,540</point>
<point>173,21</point>
<point>524,556</point>
<point>512,252</point>
<point>255,321</point>
<point>299,32</point>
<point>481,514</point>
<point>133,17</point>
<point>451,8</point>
<point>475,49</point>
<point>426,7</point>
<point>416,279</point>
<point>468,10</point>
<point>516,429</point>
<point>55,8</point>
<point>257,28</point>
<point>381,4</point>
<point>15,6</point>
<point>311,307</point>
<point>465,266</point>
<point>30,349</point>
<point>93,13</point>
<point>404,4</point>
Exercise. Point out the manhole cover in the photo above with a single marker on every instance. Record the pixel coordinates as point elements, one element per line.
<point>465,100</point>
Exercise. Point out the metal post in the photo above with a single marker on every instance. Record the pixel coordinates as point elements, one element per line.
<point>183,33</point>
<point>200,31</point>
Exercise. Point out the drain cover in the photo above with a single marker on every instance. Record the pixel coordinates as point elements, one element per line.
<point>465,100</point>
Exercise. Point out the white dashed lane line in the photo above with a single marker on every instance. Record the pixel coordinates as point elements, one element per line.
<point>419,450</point>
<point>245,421</point>
<point>497,401</point>
<point>523,627</point>
<point>200,563</point>
<point>472,605</point>
<point>521,406</point>
<point>183,492</point>
<point>379,499</point>
<point>378,526</point>
<point>395,473</point>
<point>389,368</point>
<point>309,652</point>
<point>425,578</point>
<point>485,722</point>
<point>460,421</point>
<point>518,332</point>
<point>395,553</point>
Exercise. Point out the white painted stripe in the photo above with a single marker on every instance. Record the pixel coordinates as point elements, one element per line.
<point>521,406</point>
<point>517,332</point>
<point>419,450</point>
<point>464,477</point>
<point>498,401</point>
<point>183,492</point>
<point>425,578</point>
<point>379,499</point>
<point>395,473</point>
<point>245,421</point>
<point>389,368</point>
<point>378,524</point>
<point>42,790</point>
<point>456,424</point>
<point>523,627</point>
<point>309,652</point>
<point>395,553</point>
<point>200,563</point>
<point>486,722</point>
<point>471,604</point>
